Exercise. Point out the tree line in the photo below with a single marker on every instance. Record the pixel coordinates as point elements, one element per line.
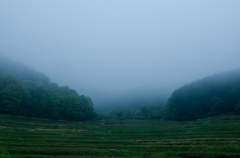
<point>24,91</point>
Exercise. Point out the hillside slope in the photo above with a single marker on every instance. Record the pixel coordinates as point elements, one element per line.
<point>212,95</point>
<point>24,91</point>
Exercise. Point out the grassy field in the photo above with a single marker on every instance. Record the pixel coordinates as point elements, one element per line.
<point>217,136</point>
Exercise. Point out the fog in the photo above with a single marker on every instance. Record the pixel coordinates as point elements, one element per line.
<point>110,50</point>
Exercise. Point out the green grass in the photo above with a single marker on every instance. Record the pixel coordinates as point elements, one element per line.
<point>218,136</point>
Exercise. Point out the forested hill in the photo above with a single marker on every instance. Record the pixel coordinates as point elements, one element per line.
<point>24,91</point>
<point>212,95</point>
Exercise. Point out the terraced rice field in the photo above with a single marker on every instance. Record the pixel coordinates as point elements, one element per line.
<point>218,136</point>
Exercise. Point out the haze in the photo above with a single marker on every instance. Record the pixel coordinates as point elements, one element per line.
<point>110,49</point>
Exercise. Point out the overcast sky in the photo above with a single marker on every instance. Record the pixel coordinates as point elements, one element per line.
<point>106,48</point>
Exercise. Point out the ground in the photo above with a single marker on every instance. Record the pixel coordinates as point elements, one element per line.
<point>218,136</point>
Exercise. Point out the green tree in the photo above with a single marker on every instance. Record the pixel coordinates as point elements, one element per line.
<point>237,107</point>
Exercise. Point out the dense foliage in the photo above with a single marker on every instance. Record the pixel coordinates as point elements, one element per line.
<point>212,95</point>
<point>24,91</point>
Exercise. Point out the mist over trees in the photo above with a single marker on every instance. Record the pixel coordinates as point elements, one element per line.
<point>140,103</point>
<point>211,95</point>
<point>154,99</point>
<point>24,91</point>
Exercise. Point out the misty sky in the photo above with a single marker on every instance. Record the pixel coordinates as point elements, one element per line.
<point>106,48</point>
